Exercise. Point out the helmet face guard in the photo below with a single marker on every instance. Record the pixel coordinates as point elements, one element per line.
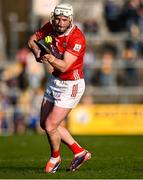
<point>63,10</point>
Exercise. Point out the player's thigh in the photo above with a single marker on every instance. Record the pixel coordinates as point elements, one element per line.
<point>57,115</point>
<point>46,108</point>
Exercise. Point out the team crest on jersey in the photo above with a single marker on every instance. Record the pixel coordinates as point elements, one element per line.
<point>77,47</point>
<point>64,44</point>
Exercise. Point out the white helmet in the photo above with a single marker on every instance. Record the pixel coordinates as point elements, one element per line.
<point>63,9</point>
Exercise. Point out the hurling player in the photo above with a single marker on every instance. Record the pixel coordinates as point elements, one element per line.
<point>66,85</point>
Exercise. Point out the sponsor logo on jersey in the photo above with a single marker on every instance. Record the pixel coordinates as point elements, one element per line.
<point>77,47</point>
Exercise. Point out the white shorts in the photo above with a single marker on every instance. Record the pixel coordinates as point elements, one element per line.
<point>63,93</point>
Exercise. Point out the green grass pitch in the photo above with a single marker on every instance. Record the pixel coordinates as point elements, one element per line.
<point>24,157</point>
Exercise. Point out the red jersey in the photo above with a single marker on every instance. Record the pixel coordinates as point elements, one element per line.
<point>73,42</point>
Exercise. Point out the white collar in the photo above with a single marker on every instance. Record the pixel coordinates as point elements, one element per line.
<point>68,31</point>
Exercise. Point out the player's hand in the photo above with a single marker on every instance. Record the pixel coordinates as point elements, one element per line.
<point>34,48</point>
<point>36,52</point>
<point>47,58</point>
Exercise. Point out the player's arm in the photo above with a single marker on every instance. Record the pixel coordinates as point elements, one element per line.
<point>61,65</point>
<point>34,48</point>
<point>40,34</point>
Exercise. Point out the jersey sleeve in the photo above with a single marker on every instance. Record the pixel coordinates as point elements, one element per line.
<point>43,31</point>
<point>76,44</point>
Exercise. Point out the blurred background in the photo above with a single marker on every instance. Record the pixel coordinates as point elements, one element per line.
<point>113,66</point>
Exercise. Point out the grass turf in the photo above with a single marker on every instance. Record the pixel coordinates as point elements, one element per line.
<point>24,156</point>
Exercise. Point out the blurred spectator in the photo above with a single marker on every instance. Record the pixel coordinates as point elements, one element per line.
<point>89,62</point>
<point>3,123</point>
<point>14,91</point>
<point>34,122</point>
<point>11,71</point>
<point>18,121</point>
<point>22,58</point>
<point>107,74</point>
<point>130,59</point>
<point>35,72</point>
<point>129,14</point>
<point>79,24</point>
<point>140,13</point>
<point>112,15</point>
<point>2,43</point>
<point>134,40</point>
<point>90,26</point>
<point>34,118</point>
<point>3,119</point>
<point>22,79</point>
